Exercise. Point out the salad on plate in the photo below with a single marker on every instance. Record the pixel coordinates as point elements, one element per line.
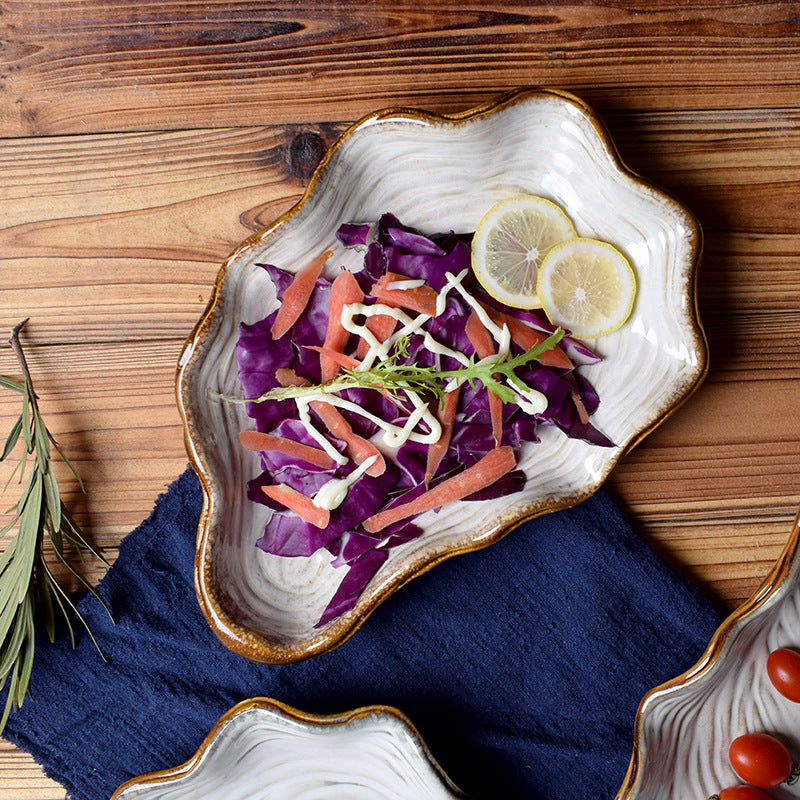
<point>395,389</point>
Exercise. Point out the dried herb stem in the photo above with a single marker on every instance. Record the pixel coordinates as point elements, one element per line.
<point>29,591</point>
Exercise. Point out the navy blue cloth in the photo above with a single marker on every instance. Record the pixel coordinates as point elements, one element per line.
<point>522,665</point>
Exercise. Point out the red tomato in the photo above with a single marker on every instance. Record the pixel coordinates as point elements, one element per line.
<point>783,668</point>
<point>742,793</point>
<point>760,759</point>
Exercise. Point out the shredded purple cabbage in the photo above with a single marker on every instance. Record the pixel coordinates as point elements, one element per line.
<point>388,245</point>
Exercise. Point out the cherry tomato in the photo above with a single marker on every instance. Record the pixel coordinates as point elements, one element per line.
<point>783,668</point>
<point>760,759</point>
<point>742,793</point>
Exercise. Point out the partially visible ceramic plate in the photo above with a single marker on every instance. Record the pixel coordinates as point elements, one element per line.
<point>437,173</point>
<point>685,727</point>
<point>264,750</point>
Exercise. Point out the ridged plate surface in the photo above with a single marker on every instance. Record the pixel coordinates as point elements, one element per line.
<point>264,750</point>
<point>685,727</point>
<point>438,174</point>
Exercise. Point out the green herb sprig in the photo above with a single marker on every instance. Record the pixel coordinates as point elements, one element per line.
<point>395,376</point>
<point>28,588</point>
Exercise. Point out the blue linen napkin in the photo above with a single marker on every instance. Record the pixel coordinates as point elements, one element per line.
<point>522,665</point>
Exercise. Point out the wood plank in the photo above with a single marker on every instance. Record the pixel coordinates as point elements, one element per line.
<point>22,778</point>
<point>111,407</point>
<point>89,67</point>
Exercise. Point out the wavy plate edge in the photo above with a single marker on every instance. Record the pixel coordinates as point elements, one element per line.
<point>711,660</point>
<point>264,649</point>
<point>291,713</point>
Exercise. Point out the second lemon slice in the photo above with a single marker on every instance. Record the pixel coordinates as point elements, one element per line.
<point>587,286</point>
<point>510,242</point>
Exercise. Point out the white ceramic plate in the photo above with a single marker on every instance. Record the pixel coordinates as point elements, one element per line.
<point>264,750</point>
<point>436,173</point>
<point>685,727</point>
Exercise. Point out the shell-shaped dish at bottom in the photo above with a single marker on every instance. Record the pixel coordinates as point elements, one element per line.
<point>685,727</point>
<point>264,750</point>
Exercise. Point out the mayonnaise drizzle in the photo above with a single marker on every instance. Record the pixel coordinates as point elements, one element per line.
<point>501,334</point>
<point>332,493</point>
<point>394,435</point>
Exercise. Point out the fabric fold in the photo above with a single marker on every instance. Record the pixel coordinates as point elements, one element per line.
<point>522,665</point>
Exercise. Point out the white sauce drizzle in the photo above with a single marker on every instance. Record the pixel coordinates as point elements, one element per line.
<point>333,493</point>
<point>530,400</point>
<point>394,435</point>
<point>305,417</point>
<point>405,284</point>
<point>501,334</point>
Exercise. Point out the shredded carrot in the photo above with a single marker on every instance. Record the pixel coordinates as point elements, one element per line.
<point>381,326</point>
<point>266,442</point>
<point>484,347</point>
<point>490,468</point>
<point>334,356</point>
<point>299,503</point>
<point>344,290</point>
<point>288,377</point>
<point>527,337</point>
<point>446,415</point>
<point>479,336</point>
<point>583,414</point>
<point>295,298</point>
<point>421,299</point>
<point>357,447</point>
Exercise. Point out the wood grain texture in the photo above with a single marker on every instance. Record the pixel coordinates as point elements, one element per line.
<point>72,67</point>
<point>141,142</point>
<point>22,779</point>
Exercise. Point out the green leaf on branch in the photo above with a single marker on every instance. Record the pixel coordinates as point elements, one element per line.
<point>29,591</point>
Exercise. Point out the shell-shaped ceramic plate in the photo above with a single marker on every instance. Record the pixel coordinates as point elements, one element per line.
<point>264,750</point>
<point>437,173</point>
<point>685,727</point>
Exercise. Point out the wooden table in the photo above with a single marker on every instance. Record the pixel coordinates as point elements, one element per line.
<point>142,141</point>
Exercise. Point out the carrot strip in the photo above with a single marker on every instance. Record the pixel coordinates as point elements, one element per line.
<point>479,336</point>
<point>490,468</point>
<point>288,377</point>
<point>527,337</point>
<point>446,415</point>
<point>583,414</point>
<point>381,326</point>
<point>484,347</point>
<point>296,501</point>
<point>357,447</point>
<point>265,442</point>
<point>337,358</point>
<point>344,290</point>
<point>295,298</point>
<point>421,299</point>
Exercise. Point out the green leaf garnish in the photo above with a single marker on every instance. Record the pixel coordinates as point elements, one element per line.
<point>395,376</point>
<point>28,588</point>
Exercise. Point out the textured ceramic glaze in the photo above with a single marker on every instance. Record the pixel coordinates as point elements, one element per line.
<point>437,174</point>
<point>684,728</point>
<point>262,750</point>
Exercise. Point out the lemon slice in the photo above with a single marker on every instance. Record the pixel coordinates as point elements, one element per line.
<point>587,286</point>
<point>510,242</point>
